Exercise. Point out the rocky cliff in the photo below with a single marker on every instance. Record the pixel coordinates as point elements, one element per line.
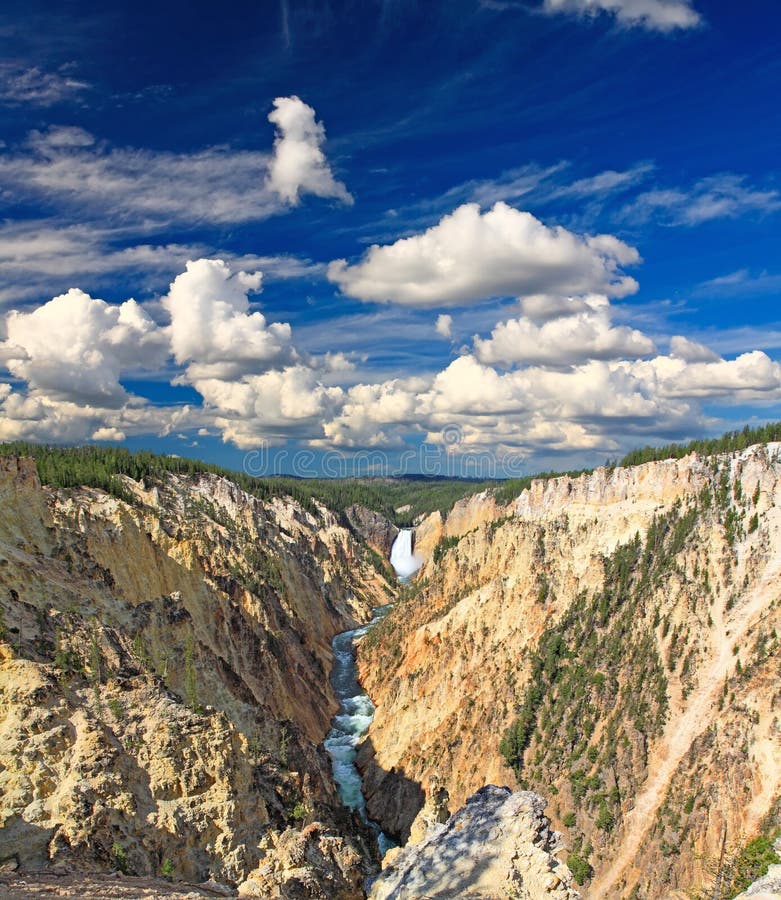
<point>618,635</point>
<point>498,845</point>
<point>464,516</point>
<point>164,684</point>
<point>374,528</point>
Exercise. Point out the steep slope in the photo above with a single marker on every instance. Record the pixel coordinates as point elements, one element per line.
<point>164,679</point>
<point>617,635</point>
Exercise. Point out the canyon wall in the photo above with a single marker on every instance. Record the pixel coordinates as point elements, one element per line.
<point>164,683</point>
<point>617,634</point>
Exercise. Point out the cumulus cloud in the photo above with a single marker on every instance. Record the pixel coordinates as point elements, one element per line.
<point>75,347</point>
<point>561,378</point>
<point>298,165</point>
<point>212,330</point>
<point>471,256</point>
<point>691,351</point>
<point>375,415</point>
<point>750,377</point>
<point>655,15</point>
<point>716,197</point>
<point>275,406</point>
<point>564,340</point>
<point>444,325</point>
<point>73,351</point>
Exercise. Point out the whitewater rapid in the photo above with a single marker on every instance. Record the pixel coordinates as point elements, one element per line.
<point>356,709</point>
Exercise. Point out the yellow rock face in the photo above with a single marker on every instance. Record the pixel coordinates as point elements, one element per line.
<point>449,671</point>
<point>164,672</point>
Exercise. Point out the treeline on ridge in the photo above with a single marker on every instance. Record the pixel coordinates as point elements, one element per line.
<point>99,466</point>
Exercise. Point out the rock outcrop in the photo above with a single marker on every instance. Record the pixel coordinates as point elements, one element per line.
<point>466,515</point>
<point>164,683</point>
<point>498,845</point>
<point>374,528</point>
<point>626,625</point>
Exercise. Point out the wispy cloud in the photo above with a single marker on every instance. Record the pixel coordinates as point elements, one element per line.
<point>40,258</point>
<point>606,183</point>
<point>20,85</point>
<point>725,196</point>
<point>69,169</point>
<point>741,283</point>
<point>536,187</point>
<point>654,15</point>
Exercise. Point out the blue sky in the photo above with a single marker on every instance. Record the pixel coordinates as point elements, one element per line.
<point>531,232</point>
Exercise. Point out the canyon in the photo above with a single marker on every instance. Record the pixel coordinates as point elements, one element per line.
<point>577,694</point>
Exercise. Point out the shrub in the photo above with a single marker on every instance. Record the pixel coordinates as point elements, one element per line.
<point>580,867</point>
<point>751,863</point>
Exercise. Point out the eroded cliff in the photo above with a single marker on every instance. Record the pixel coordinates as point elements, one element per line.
<point>617,634</point>
<point>164,681</point>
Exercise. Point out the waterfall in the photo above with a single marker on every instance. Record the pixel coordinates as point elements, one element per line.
<point>403,560</point>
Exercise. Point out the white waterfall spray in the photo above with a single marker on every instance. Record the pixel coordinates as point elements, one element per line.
<point>403,560</point>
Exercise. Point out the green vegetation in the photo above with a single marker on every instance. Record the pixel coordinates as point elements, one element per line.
<point>600,662</point>
<point>167,868</point>
<point>727,443</point>
<point>120,857</point>
<point>545,670</point>
<point>100,466</point>
<point>750,863</point>
<point>299,811</point>
<point>443,545</point>
<point>578,864</point>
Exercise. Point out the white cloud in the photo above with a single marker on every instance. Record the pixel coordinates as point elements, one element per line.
<point>34,87</point>
<point>69,168</point>
<point>212,330</point>
<point>75,347</point>
<point>565,340</point>
<point>683,348</point>
<point>277,405</point>
<point>375,415</point>
<point>73,351</point>
<point>298,165</point>
<point>471,256</point>
<point>655,15</point>
<point>715,197</point>
<point>444,325</point>
<point>576,382</point>
<point>37,257</point>
<point>750,377</point>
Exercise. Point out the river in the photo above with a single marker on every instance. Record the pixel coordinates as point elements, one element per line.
<point>356,709</point>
